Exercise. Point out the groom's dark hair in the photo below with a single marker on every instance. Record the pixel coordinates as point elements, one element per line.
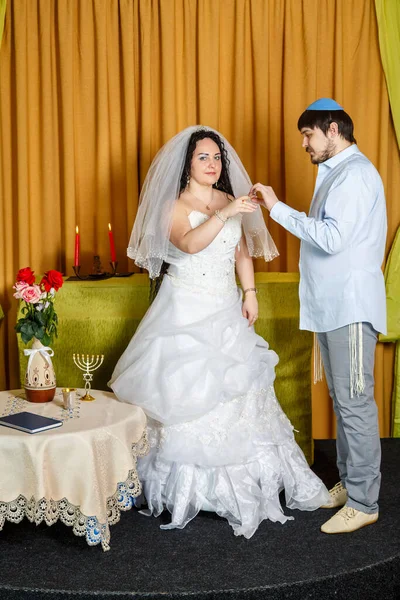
<point>224,182</point>
<point>323,118</point>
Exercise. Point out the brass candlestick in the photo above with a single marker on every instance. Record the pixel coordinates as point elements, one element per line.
<point>88,364</point>
<point>114,266</point>
<point>77,269</point>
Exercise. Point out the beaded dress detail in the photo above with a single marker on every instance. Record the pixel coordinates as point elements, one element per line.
<point>219,439</point>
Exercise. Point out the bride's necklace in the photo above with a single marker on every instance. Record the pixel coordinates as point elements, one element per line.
<point>202,201</point>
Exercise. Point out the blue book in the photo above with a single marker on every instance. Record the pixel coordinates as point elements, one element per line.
<point>29,422</point>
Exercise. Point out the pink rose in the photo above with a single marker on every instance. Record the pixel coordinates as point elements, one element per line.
<point>31,294</point>
<point>19,287</point>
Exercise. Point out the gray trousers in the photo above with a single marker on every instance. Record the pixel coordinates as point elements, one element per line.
<point>357,442</point>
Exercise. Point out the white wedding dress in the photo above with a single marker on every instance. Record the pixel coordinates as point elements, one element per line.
<point>219,438</point>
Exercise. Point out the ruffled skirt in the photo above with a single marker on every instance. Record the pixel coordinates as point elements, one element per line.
<point>218,436</point>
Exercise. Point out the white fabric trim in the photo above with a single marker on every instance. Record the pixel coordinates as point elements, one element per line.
<point>318,366</point>
<point>357,380</point>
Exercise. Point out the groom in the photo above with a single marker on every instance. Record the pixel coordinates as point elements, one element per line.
<point>342,297</point>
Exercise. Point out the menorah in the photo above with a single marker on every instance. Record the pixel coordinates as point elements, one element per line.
<point>88,364</point>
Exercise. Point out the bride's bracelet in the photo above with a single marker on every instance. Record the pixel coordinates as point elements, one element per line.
<point>255,290</point>
<point>220,217</point>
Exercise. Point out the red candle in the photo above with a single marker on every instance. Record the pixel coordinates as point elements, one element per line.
<point>112,245</point>
<point>77,244</point>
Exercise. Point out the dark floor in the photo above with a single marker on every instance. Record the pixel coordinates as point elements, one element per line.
<point>205,560</point>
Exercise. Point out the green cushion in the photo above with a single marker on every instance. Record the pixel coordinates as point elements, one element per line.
<point>100,317</point>
<point>392,282</point>
<point>396,394</point>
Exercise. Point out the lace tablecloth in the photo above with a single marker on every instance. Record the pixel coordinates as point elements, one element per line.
<point>83,473</point>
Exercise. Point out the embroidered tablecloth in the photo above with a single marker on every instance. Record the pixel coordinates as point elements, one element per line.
<point>83,473</point>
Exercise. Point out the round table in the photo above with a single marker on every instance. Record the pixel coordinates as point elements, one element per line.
<point>83,473</point>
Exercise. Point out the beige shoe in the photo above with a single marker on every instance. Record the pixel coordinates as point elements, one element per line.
<point>348,519</point>
<point>338,496</point>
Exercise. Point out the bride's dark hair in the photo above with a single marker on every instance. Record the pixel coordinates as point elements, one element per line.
<point>223,184</point>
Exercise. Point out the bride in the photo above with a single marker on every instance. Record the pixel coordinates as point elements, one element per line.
<point>218,436</point>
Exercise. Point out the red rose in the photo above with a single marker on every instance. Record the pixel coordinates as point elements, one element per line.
<point>26,275</point>
<point>52,279</point>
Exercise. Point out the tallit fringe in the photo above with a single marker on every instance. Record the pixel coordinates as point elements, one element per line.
<point>318,367</point>
<point>357,381</point>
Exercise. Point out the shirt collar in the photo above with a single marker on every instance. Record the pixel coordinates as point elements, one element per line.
<point>341,156</point>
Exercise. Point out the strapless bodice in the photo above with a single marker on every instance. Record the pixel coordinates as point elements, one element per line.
<point>211,270</point>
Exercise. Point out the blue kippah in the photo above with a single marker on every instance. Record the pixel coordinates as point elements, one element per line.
<point>325,104</point>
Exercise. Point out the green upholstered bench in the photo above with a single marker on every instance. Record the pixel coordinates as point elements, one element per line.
<point>100,317</point>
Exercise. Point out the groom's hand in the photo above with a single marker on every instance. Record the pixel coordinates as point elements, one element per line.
<point>268,195</point>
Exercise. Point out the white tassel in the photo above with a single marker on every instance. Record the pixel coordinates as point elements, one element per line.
<point>357,381</point>
<point>318,367</point>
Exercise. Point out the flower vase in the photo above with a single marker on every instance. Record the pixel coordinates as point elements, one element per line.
<point>40,379</point>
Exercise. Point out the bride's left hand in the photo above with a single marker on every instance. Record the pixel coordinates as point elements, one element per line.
<point>250,308</point>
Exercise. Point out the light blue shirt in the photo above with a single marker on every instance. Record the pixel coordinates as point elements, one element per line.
<point>342,245</point>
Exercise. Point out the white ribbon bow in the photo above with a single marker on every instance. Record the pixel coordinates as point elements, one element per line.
<point>45,351</point>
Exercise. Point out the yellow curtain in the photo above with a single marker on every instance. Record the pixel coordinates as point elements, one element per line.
<point>90,89</point>
<point>388,15</point>
<point>3,6</point>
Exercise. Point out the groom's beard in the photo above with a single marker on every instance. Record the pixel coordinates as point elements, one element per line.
<point>320,157</point>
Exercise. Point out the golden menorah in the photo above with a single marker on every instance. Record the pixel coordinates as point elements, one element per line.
<point>88,364</point>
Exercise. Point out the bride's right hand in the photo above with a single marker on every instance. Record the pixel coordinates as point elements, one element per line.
<point>238,206</point>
